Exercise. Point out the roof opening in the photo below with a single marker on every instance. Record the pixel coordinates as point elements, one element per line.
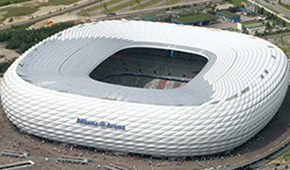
<point>149,68</point>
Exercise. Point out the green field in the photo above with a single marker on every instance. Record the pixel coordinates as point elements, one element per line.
<point>171,2</point>
<point>135,4</point>
<point>250,22</point>
<point>118,7</point>
<point>146,4</point>
<point>285,5</point>
<point>229,13</point>
<point>58,2</point>
<point>287,154</point>
<point>8,2</point>
<point>238,2</point>
<point>26,10</point>
<point>231,29</point>
<point>86,12</point>
<point>16,11</point>
<point>112,2</point>
<point>193,18</point>
<point>148,18</point>
<point>131,3</point>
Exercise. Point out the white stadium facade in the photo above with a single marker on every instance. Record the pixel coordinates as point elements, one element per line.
<point>150,88</point>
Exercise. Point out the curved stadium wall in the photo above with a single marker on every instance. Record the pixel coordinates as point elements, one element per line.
<point>48,92</point>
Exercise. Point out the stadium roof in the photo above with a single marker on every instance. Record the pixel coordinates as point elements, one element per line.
<point>232,59</point>
<point>48,92</point>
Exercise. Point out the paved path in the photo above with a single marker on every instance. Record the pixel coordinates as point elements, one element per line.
<point>46,16</point>
<point>277,8</point>
<point>128,13</point>
<point>85,4</point>
<point>282,11</point>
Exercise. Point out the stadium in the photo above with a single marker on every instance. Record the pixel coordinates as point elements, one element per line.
<point>149,88</point>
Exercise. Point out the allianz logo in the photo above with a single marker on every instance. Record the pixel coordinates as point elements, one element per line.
<point>101,124</point>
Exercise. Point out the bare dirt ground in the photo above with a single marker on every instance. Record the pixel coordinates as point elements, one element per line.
<point>57,19</point>
<point>282,41</point>
<point>41,11</point>
<point>223,24</point>
<point>6,54</point>
<point>46,9</point>
<point>270,137</point>
<point>129,8</point>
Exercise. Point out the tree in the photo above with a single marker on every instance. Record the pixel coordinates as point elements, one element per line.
<point>261,10</point>
<point>4,65</point>
<point>283,23</point>
<point>268,25</point>
<point>245,31</point>
<point>105,6</point>
<point>22,39</point>
<point>23,47</point>
<point>234,9</point>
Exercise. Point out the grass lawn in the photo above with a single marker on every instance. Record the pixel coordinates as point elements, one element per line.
<point>193,18</point>
<point>146,4</point>
<point>125,5</point>
<point>2,16</point>
<point>16,11</point>
<point>58,2</point>
<point>120,6</point>
<point>112,2</point>
<point>171,2</point>
<point>287,154</point>
<point>229,13</point>
<point>86,12</point>
<point>8,2</point>
<point>250,22</point>
<point>285,5</point>
<point>238,2</point>
<point>232,29</point>
<point>28,10</point>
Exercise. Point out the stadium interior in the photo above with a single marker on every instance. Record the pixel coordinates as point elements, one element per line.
<point>149,68</point>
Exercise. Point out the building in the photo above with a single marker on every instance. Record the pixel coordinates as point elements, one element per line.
<point>148,18</point>
<point>158,89</point>
<point>252,26</point>
<point>251,8</point>
<point>229,15</point>
<point>249,24</point>
<point>197,19</point>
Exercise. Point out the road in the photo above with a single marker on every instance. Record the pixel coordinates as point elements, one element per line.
<point>283,13</point>
<point>46,16</point>
<point>85,4</point>
<point>128,13</point>
<point>277,8</point>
